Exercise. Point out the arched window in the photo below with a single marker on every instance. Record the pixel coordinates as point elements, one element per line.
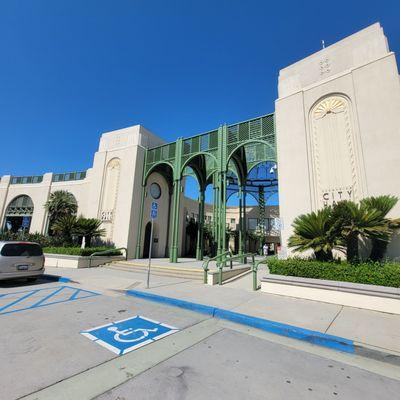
<point>19,214</point>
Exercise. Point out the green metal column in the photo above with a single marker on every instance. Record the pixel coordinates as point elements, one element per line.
<point>241,230</point>
<point>140,223</point>
<point>223,214</point>
<point>173,254</point>
<point>261,209</point>
<point>173,257</point>
<point>245,244</point>
<point>214,218</point>
<point>200,231</point>
<point>221,184</point>
<point>168,222</point>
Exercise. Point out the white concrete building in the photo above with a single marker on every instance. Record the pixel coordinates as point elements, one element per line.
<point>338,137</point>
<point>338,127</point>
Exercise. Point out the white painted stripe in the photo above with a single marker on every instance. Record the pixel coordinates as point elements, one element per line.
<point>137,346</point>
<point>108,346</point>
<point>165,334</point>
<point>170,327</point>
<point>89,336</point>
<point>126,319</point>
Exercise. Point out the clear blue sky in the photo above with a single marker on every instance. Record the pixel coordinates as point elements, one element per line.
<point>71,70</point>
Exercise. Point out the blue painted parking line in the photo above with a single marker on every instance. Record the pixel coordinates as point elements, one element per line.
<point>128,334</point>
<point>31,299</point>
<point>56,278</point>
<point>295,332</point>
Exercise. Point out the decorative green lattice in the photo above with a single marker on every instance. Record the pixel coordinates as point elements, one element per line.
<point>211,157</point>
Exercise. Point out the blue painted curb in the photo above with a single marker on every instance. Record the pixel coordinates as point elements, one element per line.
<point>55,278</point>
<point>201,308</point>
<point>314,337</point>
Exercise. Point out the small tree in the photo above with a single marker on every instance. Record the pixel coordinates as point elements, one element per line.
<point>382,204</point>
<point>65,227</point>
<point>314,232</point>
<point>353,221</point>
<point>60,203</point>
<point>88,228</point>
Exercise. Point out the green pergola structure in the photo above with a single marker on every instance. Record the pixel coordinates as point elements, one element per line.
<point>220,157</point>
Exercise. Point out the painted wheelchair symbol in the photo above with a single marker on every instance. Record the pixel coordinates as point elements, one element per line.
<point>120,335</point>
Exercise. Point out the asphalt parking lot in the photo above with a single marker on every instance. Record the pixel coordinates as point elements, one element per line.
<point>45,355</point>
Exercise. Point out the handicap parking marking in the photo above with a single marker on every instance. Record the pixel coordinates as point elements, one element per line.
<point>35,298</point>
<point>128,334</point>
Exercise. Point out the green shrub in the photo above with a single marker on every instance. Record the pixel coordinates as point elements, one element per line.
<point>43,240</point>
<point>77,251</point>
<point>382,274</point>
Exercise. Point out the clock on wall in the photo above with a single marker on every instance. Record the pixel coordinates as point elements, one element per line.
<point>155,191</point>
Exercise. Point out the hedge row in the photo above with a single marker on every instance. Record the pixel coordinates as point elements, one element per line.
<point>77,251</point>
<point>382,274</point>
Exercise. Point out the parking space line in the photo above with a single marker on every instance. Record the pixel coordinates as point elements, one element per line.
<point>57,295</point>
<point>18,300</point>
<point>37,304</point>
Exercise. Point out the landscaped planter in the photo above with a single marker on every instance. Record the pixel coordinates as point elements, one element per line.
<point>370,297</point>
<point>65,260</point>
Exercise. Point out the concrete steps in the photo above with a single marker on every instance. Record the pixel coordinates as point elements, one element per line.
<point>182,272</point>
<point>163,270</point>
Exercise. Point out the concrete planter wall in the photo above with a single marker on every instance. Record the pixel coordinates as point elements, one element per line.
<point>212,276</point>
<point>370,297</point>
<point>64,260</point>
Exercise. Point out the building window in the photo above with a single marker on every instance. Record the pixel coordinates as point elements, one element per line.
<point>19,214</point>
<point>233,221</point>
<point>252,223</point>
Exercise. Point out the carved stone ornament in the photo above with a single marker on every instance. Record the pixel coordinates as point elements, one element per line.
<point>333,105</point>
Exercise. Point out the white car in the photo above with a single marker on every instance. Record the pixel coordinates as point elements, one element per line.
<point>21,260</point>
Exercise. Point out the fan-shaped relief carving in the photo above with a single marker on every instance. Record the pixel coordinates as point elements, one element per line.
<point>333,147</point>
<point>110,190</point>
<point>329,105</point>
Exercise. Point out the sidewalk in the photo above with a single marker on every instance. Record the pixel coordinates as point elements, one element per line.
<point>379,331</point>
<point>371,329</point>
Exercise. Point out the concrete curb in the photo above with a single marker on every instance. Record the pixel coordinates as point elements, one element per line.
<point>56,278</point>
<point>291,331</point>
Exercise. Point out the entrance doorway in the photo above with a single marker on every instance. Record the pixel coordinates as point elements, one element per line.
<point>146,247</point>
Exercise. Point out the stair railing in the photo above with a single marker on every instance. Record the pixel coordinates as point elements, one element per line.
<point>107,253</point>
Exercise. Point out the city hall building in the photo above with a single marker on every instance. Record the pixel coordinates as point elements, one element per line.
<point>334,135</point>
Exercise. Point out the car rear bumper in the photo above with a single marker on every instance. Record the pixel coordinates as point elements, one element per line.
<point>21,274</point>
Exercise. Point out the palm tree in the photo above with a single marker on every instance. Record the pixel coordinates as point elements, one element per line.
<point>65,227</point>
<point>60,203</point>
<point>88,228</point>
<point>383,204</point>
<point>313,231</point>
<point>352,221</point>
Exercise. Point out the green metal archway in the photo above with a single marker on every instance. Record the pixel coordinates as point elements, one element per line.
<point>210,157</point>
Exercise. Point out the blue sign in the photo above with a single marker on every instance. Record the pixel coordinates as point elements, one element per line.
<point>153,214</point>
<point>154,210</point>
<point>129,334</point>
<point>26,222</point>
